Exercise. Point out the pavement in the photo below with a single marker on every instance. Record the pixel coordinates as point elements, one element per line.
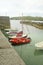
<point>8,55</point>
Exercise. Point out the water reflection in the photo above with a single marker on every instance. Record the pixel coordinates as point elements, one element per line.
<point>19,44</point>
<point>38,52</point>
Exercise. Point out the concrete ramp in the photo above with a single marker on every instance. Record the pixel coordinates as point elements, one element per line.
<point>8,55</point>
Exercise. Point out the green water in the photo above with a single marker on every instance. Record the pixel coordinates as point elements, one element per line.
<point>28,52</point>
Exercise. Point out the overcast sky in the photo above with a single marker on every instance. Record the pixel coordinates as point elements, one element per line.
<point>17,7</point>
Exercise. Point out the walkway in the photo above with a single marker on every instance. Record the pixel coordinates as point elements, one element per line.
<point>8,55</point>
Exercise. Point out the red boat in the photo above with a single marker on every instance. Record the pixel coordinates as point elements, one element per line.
<point>18,41</point>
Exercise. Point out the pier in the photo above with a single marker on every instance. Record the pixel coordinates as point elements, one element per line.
<point>8,55</point>
<point>38,25</point>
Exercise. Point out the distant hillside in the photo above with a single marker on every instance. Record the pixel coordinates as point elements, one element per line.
<point>28,18</point>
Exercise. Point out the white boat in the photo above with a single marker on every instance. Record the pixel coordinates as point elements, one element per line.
<point>39,45</point>
<point>12,32</point>
<point>23,36</point>
<point>11,37</point>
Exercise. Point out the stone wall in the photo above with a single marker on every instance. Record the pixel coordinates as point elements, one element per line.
<point>4,22</point>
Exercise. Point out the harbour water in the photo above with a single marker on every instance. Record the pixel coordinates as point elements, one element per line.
<point>28,52</point>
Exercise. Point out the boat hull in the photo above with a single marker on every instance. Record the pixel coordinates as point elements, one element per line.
<point>18,41</point>
<point>39,45</point>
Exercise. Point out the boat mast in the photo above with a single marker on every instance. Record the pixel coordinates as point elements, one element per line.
<point>22,21</point>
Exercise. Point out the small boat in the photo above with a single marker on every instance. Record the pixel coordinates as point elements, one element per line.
<point>18,41</point>
<point>39,45</point>
<point>19,36</point>
<point>12,32</point>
